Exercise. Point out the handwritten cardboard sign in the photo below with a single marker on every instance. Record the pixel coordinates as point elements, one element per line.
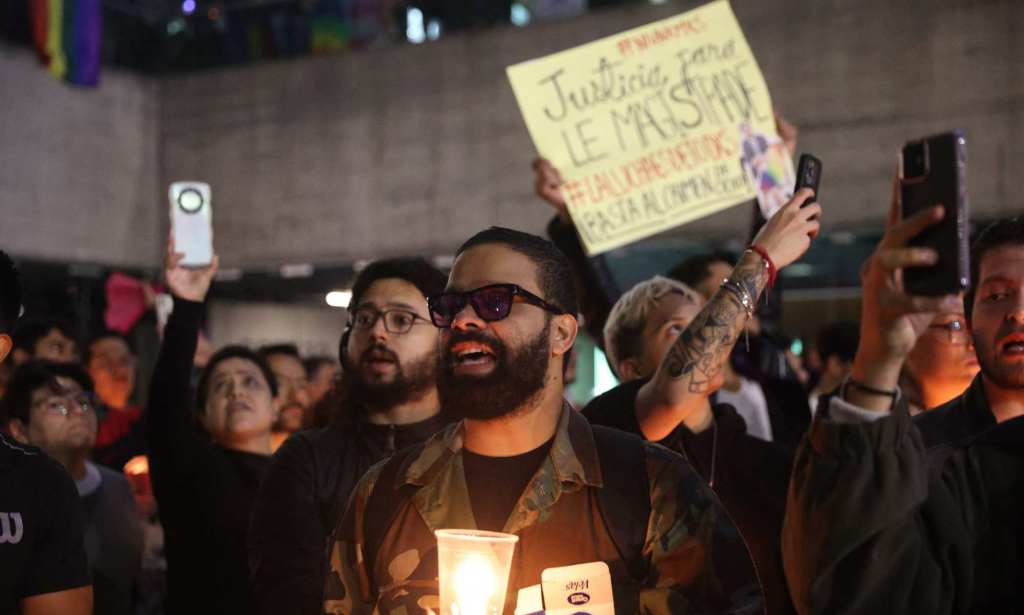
<point>654,127</point>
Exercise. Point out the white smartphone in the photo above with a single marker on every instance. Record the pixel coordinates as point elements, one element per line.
<point>192,222</point>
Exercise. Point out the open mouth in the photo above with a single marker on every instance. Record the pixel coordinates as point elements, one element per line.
<point>1012,345</point>
<point>472,355</point>
<point>238,406</point>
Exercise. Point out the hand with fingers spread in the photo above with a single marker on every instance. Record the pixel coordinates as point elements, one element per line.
<point>548,185</point>
<point>789,232</point>
<point>187,282</point>
<point>892,320</point>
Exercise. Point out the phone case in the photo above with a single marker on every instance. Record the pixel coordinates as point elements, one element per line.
<point>808,174</point>
<point>191,222</point>
<point>938,176</point>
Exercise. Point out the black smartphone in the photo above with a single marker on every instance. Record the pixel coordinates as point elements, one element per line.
<point>933,171</point>
<point>808,175</point>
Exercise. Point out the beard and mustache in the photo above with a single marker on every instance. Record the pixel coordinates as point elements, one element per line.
<point>410,381</point>
<point>517,377</point>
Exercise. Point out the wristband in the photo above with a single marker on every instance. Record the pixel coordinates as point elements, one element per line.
<point>850,382</point>
<point>773,273</point>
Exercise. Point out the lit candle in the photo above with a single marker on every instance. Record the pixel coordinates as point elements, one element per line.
<point>473,568</point>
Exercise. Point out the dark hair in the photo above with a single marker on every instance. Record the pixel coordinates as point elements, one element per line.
<point>312,364</point>
<point>1005,232</point>
<point>102,335</point>
<point>10,294</point>
<point>554,273</point>
<point>232,352</point>
<point>287,349</point>
<point>31,376</point>
<point>31,329</point>
<point>425,277</point>
<point>838,339</point>
<point>695,269</point>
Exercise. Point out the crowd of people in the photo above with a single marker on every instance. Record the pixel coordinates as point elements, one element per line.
<point>720,476</point>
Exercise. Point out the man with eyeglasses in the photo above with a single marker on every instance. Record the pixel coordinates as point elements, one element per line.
<point>941,365</point>
<point>892,515</point>
<point>521,461</point>
<point>51,406</point>
<point>386,399</point>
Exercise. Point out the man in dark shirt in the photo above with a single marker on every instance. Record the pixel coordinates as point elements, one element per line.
<point>386,400</point>
<point>886,517</point>
<point>50,405</point>
<point>670,347</point>
<point>43,569</point>
<point>523,462</point>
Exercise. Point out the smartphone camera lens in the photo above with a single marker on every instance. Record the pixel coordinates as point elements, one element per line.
<point>190,200</point>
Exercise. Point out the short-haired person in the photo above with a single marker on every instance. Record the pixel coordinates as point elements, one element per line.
<point>206,465</point>
<point>386,400</point>
<point>942,363</point>
<point>670,347</point>
<point>292,398</point>
<point>836,344</point>
<point>886,517</point>
<point>521,461</point>
<point>44,338</point>
<point>321,372</point>
<point>51,406</point>
<point>112,365</point>
<point>42,555</point>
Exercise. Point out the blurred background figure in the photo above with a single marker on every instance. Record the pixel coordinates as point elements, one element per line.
<point>835,346</point>
<point>44,338</point>
<point>321,373</point>
<point>292,389</point>
<point>942,363</point>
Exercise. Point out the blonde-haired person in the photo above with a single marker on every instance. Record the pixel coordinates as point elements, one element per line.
<point>749,474</point>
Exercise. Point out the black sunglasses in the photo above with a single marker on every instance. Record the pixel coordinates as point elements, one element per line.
<point>492,302</point>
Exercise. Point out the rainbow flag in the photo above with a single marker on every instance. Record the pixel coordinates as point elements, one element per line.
<point>67,36</point>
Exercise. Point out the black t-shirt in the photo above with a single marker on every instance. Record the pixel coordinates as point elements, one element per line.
<point>41,548</point>
<point>749,475</point>
<point>495,483</point>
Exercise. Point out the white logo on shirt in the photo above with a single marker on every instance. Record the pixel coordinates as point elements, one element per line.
<point>6,536</point>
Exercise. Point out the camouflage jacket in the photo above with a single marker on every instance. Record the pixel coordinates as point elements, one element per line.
<point>697,562</point>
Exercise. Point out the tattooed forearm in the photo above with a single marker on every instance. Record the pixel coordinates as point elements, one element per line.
<point>701,350</point>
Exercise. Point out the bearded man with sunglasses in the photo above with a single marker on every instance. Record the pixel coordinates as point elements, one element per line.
<point>385,400</point>
<point>521,461</point>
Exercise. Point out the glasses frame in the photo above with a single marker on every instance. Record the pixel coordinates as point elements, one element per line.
<point>466,298</point>
<point>957,326</point>
<point>378,314</point>
<point>85,401</point>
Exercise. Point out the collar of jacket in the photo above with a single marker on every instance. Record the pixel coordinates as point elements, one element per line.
<point>959,420</point>
<point>442,498</point>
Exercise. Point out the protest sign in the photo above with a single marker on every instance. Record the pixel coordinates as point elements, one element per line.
<point>656,126</point>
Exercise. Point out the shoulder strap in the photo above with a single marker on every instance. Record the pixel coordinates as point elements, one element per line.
<point>383,505</point>
<point>625,499</point>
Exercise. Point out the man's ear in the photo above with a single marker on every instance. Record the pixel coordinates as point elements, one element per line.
<point>18,430</point>
<point>20,356</point>
<point>563,333</point>
<point>628,369</point>
<point>5,345</point>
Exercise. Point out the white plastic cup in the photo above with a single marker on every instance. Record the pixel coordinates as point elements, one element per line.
<point>473,568</point>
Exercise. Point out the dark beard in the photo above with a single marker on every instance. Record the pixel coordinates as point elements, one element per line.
<point>515,379</point>
<point>1004,375</point>
<point>410,382</point>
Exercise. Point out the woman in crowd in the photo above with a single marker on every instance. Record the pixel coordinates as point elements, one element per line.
<point>206,465</point>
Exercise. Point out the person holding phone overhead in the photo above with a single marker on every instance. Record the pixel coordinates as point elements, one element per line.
<point>886,518</point>
<point>207,464</point>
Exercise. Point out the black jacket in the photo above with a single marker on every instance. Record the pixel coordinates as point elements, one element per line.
<point>204,491</point>
<point>888,517</point>
<point>304,493</point>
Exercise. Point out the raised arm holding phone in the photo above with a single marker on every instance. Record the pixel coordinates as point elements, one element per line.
<point>886,515</point>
